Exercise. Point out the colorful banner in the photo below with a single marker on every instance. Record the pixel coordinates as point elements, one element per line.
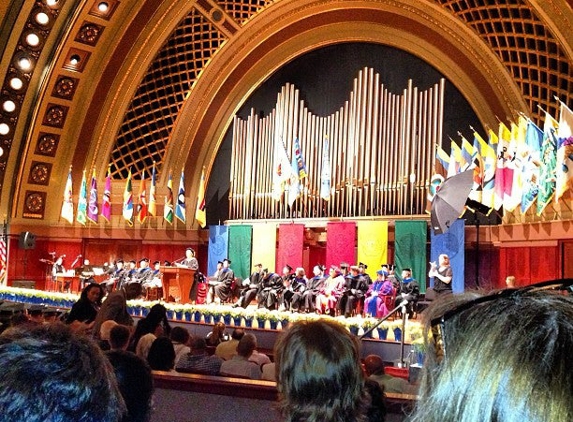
<point>340,241</point>
<point>83,201</point>
<point>240,240</point>
<point>200,215</point>
<point>128,201</point>
<point>549,160</point>
<point>168,208</point>
<point>264,245</point>
<point>68,204</point>
<point>142,203</point>
<point>325,173</point>
<point>152,209</point>
<point>106,199</point>
<point>531,168</point>
<point>218,246</point>
<point>410,239</point>
<point>291,239</point>
<point>564,170</point>
<point>180,206</point>
<point>452,244</point>
<point>372,244</point>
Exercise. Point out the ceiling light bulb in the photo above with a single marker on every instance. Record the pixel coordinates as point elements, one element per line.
<point>16,83</point>
<point>42,18</point>
<point>9,106</point>
<point>75,59</point>
<point>103,7</point>
<point>25,63</point>
<point>51,2</point>
<point>32,39</point>
<point>4,129</point>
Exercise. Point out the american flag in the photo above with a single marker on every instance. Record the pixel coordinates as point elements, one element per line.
<point>3,259</point>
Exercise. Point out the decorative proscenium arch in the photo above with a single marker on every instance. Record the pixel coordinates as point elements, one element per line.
<point>298,27</point>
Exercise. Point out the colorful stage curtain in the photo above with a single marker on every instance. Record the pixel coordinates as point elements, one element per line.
<point>291,238</point>
<point>240,241</point>
<point>218,245</point>
<point>264,244</point>
<point>410,249</point>
<point>340,241</point>
<point>452,244</point>
<point>372,244</point>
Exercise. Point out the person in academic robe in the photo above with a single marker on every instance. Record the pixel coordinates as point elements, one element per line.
<point>375,302</point>
<point>250,287</point>
<point>267,296</point>
<point>313,287</point>
<point>354,289</point>
<point>222,290</point>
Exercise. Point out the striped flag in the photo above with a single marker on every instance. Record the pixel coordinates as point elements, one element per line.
<point>83,201</point>
<point>467,155</point>
<point>93,209</point>
<point>488,153</point>
<point>106,200</point>
<point>180,207</point>
<point>454,164</point>
<point>282,169</point>
<point>501,171</point>
<point>325,172</point>
<point>128,201</point>
<point>3,258</point>
<point>478,167</point>
<point>517,147</point>
<point>142,203</point>
<point>531,168</point>
<point>564,171</point>
<point>152,209</point>
<point>68,205</point>
<point>441,165</point>
<point>549,159</point>
<point>168,208</point>
<point>200,214</point>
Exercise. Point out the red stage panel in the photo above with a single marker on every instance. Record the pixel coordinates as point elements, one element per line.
<point>340,243</point>
<point>290,239</point>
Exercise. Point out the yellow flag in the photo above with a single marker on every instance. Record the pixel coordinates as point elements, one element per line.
<point>200,214</point>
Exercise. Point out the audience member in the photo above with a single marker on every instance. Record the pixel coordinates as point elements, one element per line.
<point>269,372</point>
<point>36,314</point>
<point>179,337</point>
<point>119,337</point>
<point>161,355</point>
<point>114,306</point>
<point>374,367</point>
<point>227,349</point>
<point>50,373</point>
<point>319,375</point>
<point>217,335</point>
<point>86,308</point>
<point>259,358</point>
<point>104,334</point>
<point>502,357</point>
<point>239,365</point>
<point>198,361</point>
<point>135,383</point>
<point>154,323</point>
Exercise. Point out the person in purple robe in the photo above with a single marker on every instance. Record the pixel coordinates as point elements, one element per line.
<point>375,303</point>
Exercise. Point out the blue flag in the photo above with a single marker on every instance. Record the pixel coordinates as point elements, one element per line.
<point>180,207</point>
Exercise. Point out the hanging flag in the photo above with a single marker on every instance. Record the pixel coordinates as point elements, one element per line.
<point>282,169</point>
<point>83,201</point>
<point>549,160</point>
<point>441,165</point>
<point>454,164</point>
<point>180,208</point>
<point>517,151</point>
<point>128,201</point>
<point>106,200</point>
<point>293,183</point>
<point>489,157</point>
<point>531,168</point>
<point>68,205</point>
<point>300,162</point>
<point>93,209</point>
<point>200,214</point>
<point>564,171</point>
<point>501,171</point>
<point>168,208</point>
<point>3,257</point>
<point>142,203</point>
<point>152,209</point>
<point>466,155</point>
<point>325,173</point>
<point>477,165</point>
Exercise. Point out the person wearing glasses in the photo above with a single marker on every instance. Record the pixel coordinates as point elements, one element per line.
<point>442,274</point>
<point>503,357</point>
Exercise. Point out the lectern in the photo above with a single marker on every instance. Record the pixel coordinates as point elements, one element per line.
<point>180,277</point>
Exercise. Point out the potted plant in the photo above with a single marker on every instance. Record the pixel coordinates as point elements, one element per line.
<point>382,330</point>
<point>236,315</point>
<point>353,324</point>
<point>367,324</point>
<point>262,315</point>
<point>396,327</point>
<point>226,315</point>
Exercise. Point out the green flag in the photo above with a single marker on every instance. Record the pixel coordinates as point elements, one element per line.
<point>83,202</point>
<point>410,249</point>
<point>240,241</point>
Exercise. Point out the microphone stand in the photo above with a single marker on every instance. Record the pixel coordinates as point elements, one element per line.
<point>401,307</point>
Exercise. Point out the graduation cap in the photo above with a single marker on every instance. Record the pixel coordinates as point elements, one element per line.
<point>362,265</point>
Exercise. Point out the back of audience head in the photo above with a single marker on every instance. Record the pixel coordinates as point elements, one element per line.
<point>135,382</point>
<point>119,337</point>
<point>319,375</point>
<point>247,345</point>
<point>197,344</point>
<point>237,334</point>
<point>506,359</point>
<point>373,365</point>
<point>50,373</point>
<point>161,356</point>
<point>179,335</point>
<point>133,291</point>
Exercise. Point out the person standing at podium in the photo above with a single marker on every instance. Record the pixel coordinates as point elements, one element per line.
<point>191,262</point>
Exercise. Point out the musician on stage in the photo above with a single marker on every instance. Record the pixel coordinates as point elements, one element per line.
<point>313,288</point>
<point>250,287</point>
<point>58,270</point>
<point>87,273</point>
<point>221,289</point>
<point>354,290</point>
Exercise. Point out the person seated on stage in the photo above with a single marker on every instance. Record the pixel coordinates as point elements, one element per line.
<point>198,361</point>
<point>287,277</point>
<point>313,287</point>
<point>344,269</point>
<point>409,290</point>
<point>227,349</point>
<point>114,307</point>
<point>240,365</point>
<point>116,275</point>
<point>510,281</point>
<point>86,274</point>
<point>292,296</point>
<point>267,294</point>
<point>355,288</point>
<point>190,261</point>
<point>374,368</point>
<point>143,274</point>
<point>221,290</point>
<point>51,373</point>
<point>59,272</point>
<point>330,292</point>
<point>153,281</point>
<point>375,302</point>
<point>217,335</point>
<point>128,274</point>
<point>502,357</point>
<point>161,355</point>
<point>84,311</point>
<point>250,287</point>
<point>319,374</point>
<point>135,382</point>
<point>362,270</point>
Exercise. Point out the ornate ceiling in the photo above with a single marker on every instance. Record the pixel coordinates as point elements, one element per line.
<point>122,84</point>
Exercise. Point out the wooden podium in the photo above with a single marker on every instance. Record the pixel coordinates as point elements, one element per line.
<point>180,277</point>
